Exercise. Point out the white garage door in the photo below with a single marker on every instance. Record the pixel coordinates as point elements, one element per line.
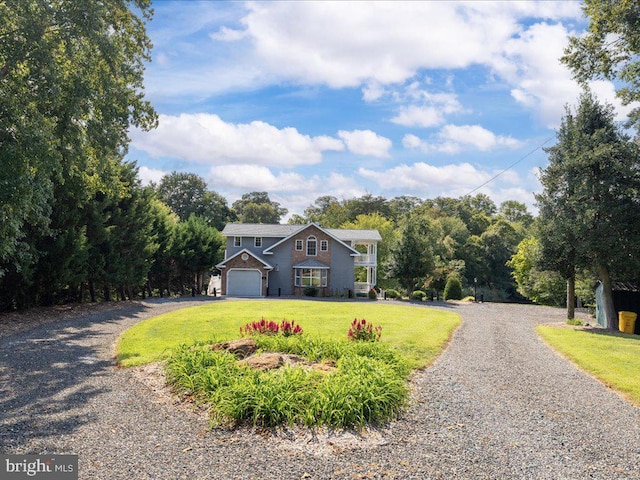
<point>244,283</point>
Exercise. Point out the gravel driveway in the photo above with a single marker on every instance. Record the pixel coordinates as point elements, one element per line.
<point>497,404</point>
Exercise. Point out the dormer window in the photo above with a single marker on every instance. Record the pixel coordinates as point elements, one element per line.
<point>312,246</point>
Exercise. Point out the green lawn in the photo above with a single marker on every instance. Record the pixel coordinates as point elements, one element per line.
<point>613,358</point>
<point>418,333</point>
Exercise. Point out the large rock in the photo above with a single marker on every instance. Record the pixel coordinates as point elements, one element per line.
<point>265,361</point>
<point>240,348</point>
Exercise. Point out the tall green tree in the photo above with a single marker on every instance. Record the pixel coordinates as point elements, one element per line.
<point>366,205</point>
<point>610,49</point>
<point>403,206</point>
<point>187,194</point>
<point>327,211</point>
<point>197,247</point>
<point>257,207</point>
<point>541,286</point>
<point>163,268</point>
<point>590,204</point>
<point>411,257</point>
<point>516,212</point>
<point>71,86</point>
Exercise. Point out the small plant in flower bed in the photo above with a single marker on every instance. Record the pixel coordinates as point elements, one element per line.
<point>367,386</point>
<point>362,331</point>
<point>269,327</point>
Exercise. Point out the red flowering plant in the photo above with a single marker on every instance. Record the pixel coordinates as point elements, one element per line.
<point>269,327</point>
<point>288,328</point>
<point>360,330</point>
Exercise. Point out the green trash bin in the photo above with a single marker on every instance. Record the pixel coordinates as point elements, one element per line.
<point>627,321</point>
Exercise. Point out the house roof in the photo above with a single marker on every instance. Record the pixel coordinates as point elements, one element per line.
<point>223,264</point>
<point>347,235</point>
<point>284,230</point>
<point>311,263</point>
<point>259,230</point>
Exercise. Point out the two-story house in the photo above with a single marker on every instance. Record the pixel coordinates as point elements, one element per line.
<point>264,259</point>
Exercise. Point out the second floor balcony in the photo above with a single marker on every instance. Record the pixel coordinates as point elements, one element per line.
<point>366,260</point>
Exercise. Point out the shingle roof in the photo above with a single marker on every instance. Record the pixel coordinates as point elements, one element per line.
<point>348,235</point>
<point>285,230</point>
<point>311,263</point>
<point>259,230</point>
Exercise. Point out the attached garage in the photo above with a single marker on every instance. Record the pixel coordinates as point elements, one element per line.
<point>244,283</point>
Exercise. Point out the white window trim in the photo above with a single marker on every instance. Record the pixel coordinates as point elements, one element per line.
<point>237,241</point>
<point>310,239</point>
<point>257,242</point>
<point>324,245</point>
<point>299,243</point>
<point>311,277</point>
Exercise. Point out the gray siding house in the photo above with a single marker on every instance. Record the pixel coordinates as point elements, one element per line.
<point>269,260</point>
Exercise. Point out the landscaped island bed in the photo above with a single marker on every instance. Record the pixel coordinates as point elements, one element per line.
<point>360,382</point>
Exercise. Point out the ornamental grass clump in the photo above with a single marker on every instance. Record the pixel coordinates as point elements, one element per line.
<point>367,384</point>
<point>362,331</point>
<point>269,327</point>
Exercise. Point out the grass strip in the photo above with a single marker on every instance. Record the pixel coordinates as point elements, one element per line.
<point>611,357</point>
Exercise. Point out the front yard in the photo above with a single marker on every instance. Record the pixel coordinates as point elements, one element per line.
<point>360,382</point>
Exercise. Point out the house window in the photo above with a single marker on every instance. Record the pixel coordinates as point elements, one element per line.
<point>298,245</point>
<point>324,245</point>
<point>257,242</point>
<point>237,241</point>
<point>312,246</point>
<point>311,277</point>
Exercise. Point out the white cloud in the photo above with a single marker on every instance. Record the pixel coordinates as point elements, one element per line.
<point>415,116</point>
<point>366,142</point>
<point>148,175</point>
<point>453,180</point>
<point>226,34</point>
<point>206,138</point>
<point>411,141</point>
<point>605,92</point>
<point>256,178</point>
<point>372,91</point>
<point>291,190</point>
<point>371,45</point>
<point>349,43</point>
<point>423,177</point>
<point>455,138</point>
<point>530,63</point>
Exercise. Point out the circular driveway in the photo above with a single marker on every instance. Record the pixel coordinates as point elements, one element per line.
<point>497,404</point>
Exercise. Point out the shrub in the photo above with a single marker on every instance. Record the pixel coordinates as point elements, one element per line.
<point>373,295</point>
<point>418,295</point>
<point>453,288</point>
<point>310,291</point>
<point>391,293</point>
<point>575,322</point>
<point>360,330</point>
<point>269,327</point>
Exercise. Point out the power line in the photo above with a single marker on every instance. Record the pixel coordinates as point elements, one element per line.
<point>511,166</point>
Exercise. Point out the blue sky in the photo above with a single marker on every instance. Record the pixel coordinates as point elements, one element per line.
<point>303,99</point>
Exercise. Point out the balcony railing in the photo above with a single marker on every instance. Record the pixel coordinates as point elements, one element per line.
<point>365,260</point>
<point>362,287</point>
